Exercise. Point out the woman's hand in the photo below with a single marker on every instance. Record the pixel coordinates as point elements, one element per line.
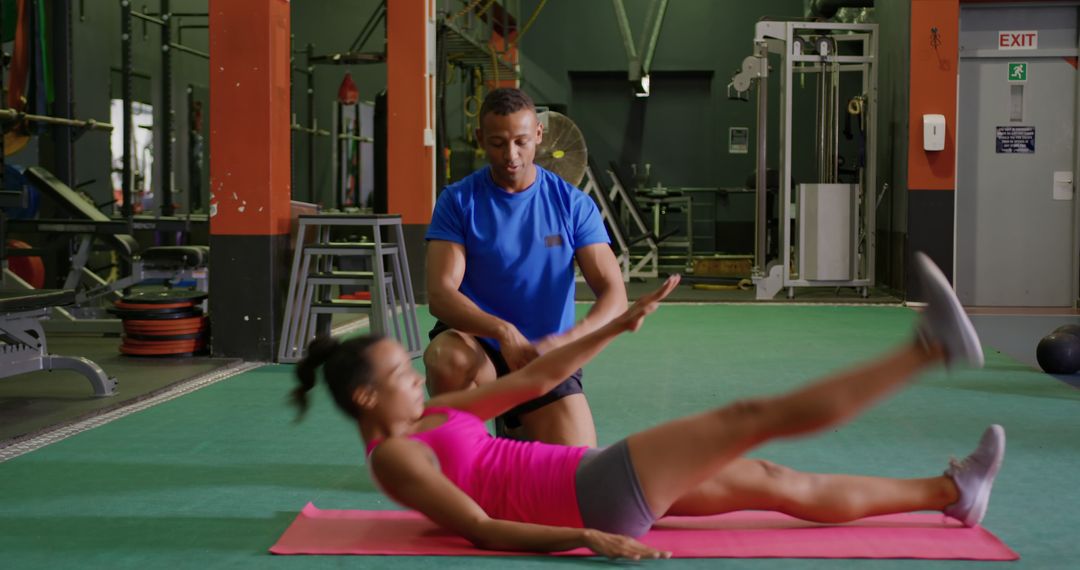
<point>516,350</point>
<point>617,546</point>
<point>633,317</point>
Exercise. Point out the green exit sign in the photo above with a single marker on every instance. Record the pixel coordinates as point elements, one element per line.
<point>1018,71</point>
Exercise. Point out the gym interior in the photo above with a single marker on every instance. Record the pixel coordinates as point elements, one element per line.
<point>193,190</point>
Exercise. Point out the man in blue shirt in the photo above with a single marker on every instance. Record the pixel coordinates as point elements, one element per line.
<point>500,264</point>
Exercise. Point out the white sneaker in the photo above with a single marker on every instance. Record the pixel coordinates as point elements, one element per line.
<point>944,320</point>
<point>974,477</point>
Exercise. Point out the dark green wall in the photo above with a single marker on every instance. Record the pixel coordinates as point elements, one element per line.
<point>698,36</point>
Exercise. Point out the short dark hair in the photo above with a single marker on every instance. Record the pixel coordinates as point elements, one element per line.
<point>506,100</point>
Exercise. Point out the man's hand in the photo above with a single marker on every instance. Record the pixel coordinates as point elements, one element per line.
<point>516,349</point>
<point>617,546</point>
<point>633,317</point>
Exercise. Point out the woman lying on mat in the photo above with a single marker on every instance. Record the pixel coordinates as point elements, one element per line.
<point>436,457</point>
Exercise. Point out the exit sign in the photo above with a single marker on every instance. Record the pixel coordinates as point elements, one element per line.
<point>1017,71</point>
<point>1024,39</point>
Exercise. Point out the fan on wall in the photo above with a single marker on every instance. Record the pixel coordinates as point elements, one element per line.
<point>562,150</point>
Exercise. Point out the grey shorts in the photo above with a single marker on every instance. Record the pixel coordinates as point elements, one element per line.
<point>609,494</point>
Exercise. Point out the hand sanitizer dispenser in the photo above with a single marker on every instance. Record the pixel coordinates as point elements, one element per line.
<point>933,132</point>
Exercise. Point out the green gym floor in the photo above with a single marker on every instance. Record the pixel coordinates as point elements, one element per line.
<point>210,479</point>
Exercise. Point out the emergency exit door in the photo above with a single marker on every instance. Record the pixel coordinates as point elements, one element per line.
<point>1016,157</point>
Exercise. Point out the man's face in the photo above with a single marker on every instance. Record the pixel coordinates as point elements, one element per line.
<point>510,144</point>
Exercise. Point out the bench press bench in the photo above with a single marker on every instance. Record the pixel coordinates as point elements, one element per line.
<point>169,263</point>
<point>22,340</point>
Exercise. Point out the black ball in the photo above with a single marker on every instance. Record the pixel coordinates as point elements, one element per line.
<point>1059,353</point>
<point>1068,329</point>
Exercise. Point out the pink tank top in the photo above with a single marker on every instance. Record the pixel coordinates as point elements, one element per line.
<point>511,480</point>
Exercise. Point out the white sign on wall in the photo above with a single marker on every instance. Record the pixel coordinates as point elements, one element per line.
<point>1022,39</point>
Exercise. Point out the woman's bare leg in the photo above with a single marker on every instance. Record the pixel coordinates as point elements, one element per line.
<point>675,458</point>
<point>762,485</point>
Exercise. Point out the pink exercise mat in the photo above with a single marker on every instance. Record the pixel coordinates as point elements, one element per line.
<point>745,534</point>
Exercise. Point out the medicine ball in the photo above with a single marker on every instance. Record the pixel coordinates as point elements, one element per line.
<point>1068,329</point>
<point>1059,353</point>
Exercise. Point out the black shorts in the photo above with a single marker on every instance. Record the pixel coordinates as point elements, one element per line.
<point>512,418</point>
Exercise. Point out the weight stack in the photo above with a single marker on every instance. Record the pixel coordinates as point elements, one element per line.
<point>163,323</point>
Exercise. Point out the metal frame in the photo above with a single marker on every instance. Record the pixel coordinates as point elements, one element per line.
<point>65,129</point>
<point>85,316</point>
<point>307,305</point>
<point>23,349</point>
<point>466,39</point>
<point>342,138</point>
<point>622,251</point>
<point>164,120</point>
<point>639,58</point>
<point>776,37</point>
<point>612,206</point>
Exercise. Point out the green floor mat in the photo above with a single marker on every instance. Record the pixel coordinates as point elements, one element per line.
<point>211,479</point>
<point>30,403</point>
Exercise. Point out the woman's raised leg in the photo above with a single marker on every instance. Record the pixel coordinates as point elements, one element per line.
<point>673,459</point>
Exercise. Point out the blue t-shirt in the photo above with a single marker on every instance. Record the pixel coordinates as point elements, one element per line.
<point>519,247</point>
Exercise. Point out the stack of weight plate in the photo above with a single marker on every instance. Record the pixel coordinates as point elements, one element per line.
<point>163,323</point>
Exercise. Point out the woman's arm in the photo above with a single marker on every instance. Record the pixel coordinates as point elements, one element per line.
<point>603,275</point>
<point>408,475</point>
<point>546,372</point>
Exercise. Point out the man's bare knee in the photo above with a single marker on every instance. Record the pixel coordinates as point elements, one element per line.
<point>452,364</point>
<point>448,371</point>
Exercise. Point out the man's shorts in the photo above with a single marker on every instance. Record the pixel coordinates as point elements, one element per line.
<point>512,418</point>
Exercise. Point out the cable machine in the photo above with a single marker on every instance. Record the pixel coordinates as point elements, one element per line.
<point>824,227</point>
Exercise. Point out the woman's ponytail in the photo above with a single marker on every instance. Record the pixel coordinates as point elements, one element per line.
<point>318,352</point>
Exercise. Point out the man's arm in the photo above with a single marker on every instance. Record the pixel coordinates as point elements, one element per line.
<point>403,469</point>
<point>445,270</point>
<point>604,276</point>
<point>551,368</point>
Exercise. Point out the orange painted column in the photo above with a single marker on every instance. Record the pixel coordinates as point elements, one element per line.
<point>410,90</point>
<point>249,174</point>
<point>931,200</point>
<point>410,126</point>
<point>935,61</point>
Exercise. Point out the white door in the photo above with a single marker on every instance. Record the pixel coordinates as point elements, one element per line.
<point>1016,155</point>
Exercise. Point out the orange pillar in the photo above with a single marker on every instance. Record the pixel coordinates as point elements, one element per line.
<point>410,90</point>
<point>931,175</point>
<point>410,125</point>
<point>249,174</point>
<point>935,62</point>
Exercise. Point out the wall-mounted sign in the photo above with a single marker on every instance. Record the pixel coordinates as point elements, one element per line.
<point>1017,71</point>
<point>1015,140</point>
<point>738,140</point>
<point>1023,39</point>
